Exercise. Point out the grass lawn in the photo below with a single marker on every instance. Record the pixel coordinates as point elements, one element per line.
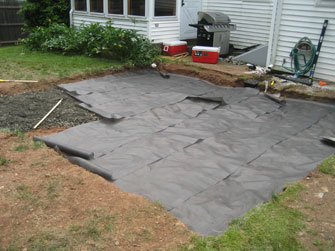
<point>292,220</point>
<point>17,62</point>
<point>270,226</point>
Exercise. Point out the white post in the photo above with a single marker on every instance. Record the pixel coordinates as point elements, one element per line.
<point>88,6</point>
<point>71,13</point>
<point>105,4</point>
<point>125,8</point>
<point>150,14</point>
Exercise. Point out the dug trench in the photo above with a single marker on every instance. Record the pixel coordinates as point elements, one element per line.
<point>231,77</point>
<point>39,183</point>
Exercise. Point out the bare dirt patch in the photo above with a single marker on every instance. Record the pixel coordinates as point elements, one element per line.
<point>213,76</point>
<point>47,202</point>
<point>225,74</point>
<point>298,91</point>
<point>317,202</point>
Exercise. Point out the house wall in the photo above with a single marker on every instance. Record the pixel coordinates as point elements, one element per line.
<point>84,18</point>
<point>158,29</point>
<point>253,19</point>
<point>164,31</point>
<point>302,18</point>
<point>296,19</point>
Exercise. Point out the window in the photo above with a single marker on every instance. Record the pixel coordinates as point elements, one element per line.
<point>80,5</point>
<point>115,6</point>
<point>136,7</point>
<point>165,8</point>
<point>97,6</point>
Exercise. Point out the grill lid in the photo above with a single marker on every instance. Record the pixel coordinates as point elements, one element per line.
<point>213,17</point>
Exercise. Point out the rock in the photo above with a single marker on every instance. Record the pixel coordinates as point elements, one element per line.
<point>324,189</point>
<point>253,83</point>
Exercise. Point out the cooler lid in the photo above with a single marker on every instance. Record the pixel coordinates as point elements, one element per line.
<point>174,43</point>
<point>206,48</point>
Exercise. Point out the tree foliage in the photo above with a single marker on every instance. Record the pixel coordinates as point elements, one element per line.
<point>45,12</point>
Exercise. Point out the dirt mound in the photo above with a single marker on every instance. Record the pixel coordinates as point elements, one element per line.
<point>23,111</point>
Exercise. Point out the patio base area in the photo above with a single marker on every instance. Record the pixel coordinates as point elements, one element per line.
<point>208,154</point>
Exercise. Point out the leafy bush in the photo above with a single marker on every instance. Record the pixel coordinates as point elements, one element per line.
<point>44,13</point>
<point>93,40</point>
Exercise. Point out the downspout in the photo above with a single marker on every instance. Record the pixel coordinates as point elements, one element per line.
<point>71,13</point>
<point>272,27</point>
<point>274,32</point>
<point>150,14</point>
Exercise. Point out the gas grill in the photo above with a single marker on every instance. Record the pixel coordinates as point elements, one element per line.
<point>213,29</point>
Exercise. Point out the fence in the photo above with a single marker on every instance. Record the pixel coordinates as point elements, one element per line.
<point>10,22</point>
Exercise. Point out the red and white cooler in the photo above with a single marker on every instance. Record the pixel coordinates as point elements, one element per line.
<point>174,48</point>
<point>205,54</point>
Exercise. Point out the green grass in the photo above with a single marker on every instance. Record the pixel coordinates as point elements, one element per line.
<point>71,237</point>
<point>17,62</point>
<point>52,189</point>
<point>270,226</point>
<point>3,161</point>
<point>328,165</point>
<point>19,133</point>
<point>24,193</point>
<point>21,148</point>
<point>37,145</point>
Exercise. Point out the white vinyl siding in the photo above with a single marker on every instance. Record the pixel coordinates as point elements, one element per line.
<point>252,17</point>
<point>164,31</point>
<point>157,29</point>
<point>302,18</point>
<point>141,25</point>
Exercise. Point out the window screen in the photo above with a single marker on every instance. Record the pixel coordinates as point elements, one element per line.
<point>165,8</point>
<point>136,7</point>
<point>115,6</point>
<point>80,5</point>
<point>97,6</point>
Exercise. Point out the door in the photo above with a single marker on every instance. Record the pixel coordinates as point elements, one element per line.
<point>189,15</point>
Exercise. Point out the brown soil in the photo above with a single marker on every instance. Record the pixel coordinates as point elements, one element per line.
<point>320,230</point>
<point>307,93</point>
<point>225,74</point>
<point>222,74</point>
<point>213,76</point>
<point>41,192</point>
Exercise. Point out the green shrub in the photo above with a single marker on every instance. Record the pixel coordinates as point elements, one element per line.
<point>94,40</point>
<point>44,13</point>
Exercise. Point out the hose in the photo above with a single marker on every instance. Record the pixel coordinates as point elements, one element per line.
<point>302,57</point>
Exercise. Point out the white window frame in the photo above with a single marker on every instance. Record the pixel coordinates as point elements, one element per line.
<point>164,17</point>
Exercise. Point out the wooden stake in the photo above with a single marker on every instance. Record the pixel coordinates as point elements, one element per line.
<point>18,81</point>
<point>53,108</point>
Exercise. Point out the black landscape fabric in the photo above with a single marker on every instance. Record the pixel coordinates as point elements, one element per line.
<point>207,153</point>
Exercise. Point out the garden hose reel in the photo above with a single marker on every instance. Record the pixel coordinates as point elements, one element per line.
<point>302,57</point>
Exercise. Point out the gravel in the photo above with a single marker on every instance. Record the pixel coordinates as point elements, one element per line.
<point>23,111</point>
